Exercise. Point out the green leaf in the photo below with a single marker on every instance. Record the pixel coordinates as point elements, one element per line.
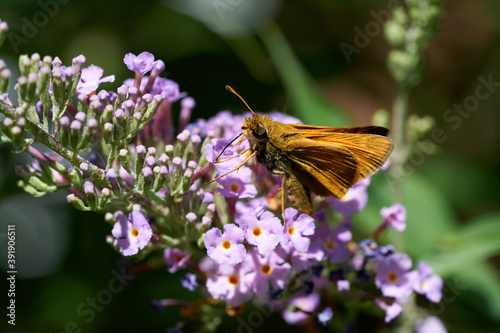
<point>305,100</point>
<point>483,229</point>
<point>429,215</point>
<point>461,258</point>
<point>475,242</point>
<point>484,279</point>
<point>465,256</point>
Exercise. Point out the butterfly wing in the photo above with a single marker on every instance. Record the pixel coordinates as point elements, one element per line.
<point>368,144</point>
<point>357,130</point>
<point>370,150</point>
<point>326,169</point>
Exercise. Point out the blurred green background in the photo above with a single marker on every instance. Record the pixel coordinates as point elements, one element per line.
<point>279,55</point>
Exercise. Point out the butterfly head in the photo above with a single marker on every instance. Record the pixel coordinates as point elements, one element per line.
<point>254,128</point>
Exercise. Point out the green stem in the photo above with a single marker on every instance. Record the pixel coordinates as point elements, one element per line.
<point>111,156</point>
<point>39,135</point>
<point>400,114</point>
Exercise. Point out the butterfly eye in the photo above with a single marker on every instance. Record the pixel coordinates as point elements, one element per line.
<point>260,132</point>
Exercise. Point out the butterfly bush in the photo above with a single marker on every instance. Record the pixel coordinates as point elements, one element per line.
<point>120,152</point>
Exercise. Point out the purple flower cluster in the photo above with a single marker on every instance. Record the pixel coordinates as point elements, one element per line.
<point>251,255</point>
<point>198,201</point>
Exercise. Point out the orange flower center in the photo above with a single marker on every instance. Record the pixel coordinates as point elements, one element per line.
<point>330,245</point>
<point>257,232</point>
<point>234,187</point>
<point>265,269</point>
<point>290,231</point>
<point>233,279</point>
<point>392,276</point>
<point>134,232</point>
<point>226,244</point>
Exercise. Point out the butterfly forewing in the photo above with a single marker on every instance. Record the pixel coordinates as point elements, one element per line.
<point>357,130</point>
<point>370,150</point>
<point>325,169</point>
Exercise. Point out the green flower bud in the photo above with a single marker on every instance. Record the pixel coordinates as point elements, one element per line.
<point>3,31</point>
<point>31,96</point>
<point>141,152</point>
<point>381,118</point>
<point>123,158</point>
<point>76,178</point>
<point>399,16</point>
<point>76,202</point>
<point>30,189</point>
<point>4,80</point>
<point>107,133</point>
<point>104,197</point>
<point>394,33</point>
<point>169,150</point>
<point>35,62</point>
<point>64,123</point>
<point>419,127</point>
<point>47,61</point>
<point>181,143</point>
<point>24,65</point>
<point>404,68</point>
<point>186,180</point>
<point>106,114</point>
<point>43,79</point>
<point>75,134</point>
<point>151,110</point>
<point>134,125</point>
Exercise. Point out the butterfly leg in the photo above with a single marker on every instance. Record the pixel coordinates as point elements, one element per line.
<point>239,141</point>
<point>239,166</point>
<point>283,201</point>
<point>230,158</point>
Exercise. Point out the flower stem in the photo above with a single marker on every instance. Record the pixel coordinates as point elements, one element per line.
<point>400,113</point>
<point>40,136</point>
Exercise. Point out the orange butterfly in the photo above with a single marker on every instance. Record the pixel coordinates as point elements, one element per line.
<point>324,160</point>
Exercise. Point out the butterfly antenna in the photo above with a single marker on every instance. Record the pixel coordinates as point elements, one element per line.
<point>228,88</point>
<point>222,152</point>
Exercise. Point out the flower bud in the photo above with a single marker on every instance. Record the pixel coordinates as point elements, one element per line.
<point>75,134</point>
<point>43,79</point>
<point>3,31</point>
<point>94,109</point>
<point>104,197</point>
<point>76,202</point>
<point>4,80</point>
<point>123,158</point>
<point>107,114</point>
<point>24,65</point>
<point>107,133</point>
<point>64,130</point>
<point>75,177</point>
